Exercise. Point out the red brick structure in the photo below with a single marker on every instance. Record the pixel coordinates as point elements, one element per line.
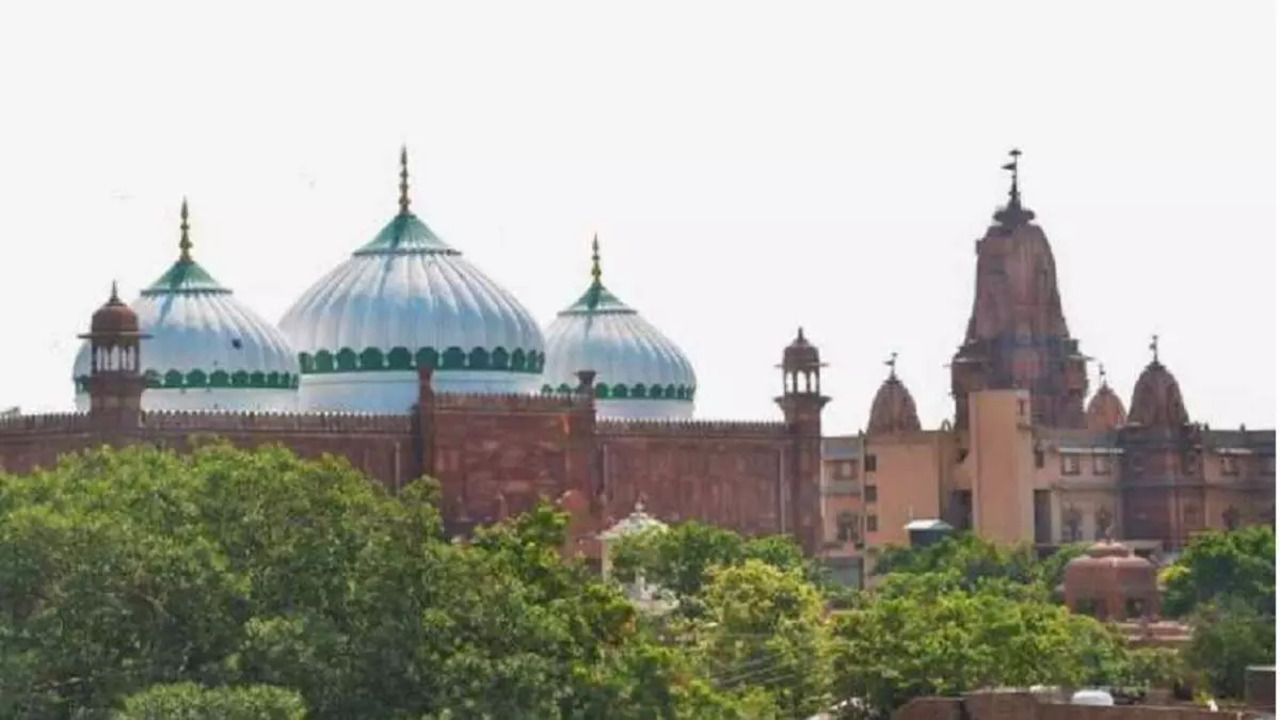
<point>494,455</point>
<point>1111,583</point>
<point>1025,706</point>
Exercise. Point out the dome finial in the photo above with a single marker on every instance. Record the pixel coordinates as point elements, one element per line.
<point>115,294</point>
<point>595,259</point>
<point>404,180</point>
<point>1102,374</point>
<point>1015,198</point>
<point>184,244</point>
<point>1154,347</point>
<point>892,362</point>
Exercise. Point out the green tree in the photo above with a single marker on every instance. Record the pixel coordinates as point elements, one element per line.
<point>1237,564</point>
<point>931,635</point>
<point>971,560</point>
<point>1228,636</point>
<point>188,701</point>
<point>765,631</point>
<point>681,558</point>
<point>124,570</point>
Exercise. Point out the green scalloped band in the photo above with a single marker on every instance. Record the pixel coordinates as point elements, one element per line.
<point>371,359</point>
<point>199,379</point>
<point>639,391</point>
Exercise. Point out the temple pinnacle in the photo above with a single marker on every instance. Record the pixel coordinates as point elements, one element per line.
<point>1102,374</point>
<point>892,362</point>
<point>1154,347</point>
<point>404,180</point>
<point>115,294</point>
<point>184,244</point>
<point>1015,197</point>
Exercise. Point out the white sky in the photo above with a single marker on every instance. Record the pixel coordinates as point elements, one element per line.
<point>749,168</point>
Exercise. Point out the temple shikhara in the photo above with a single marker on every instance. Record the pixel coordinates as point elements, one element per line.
<point>409,361</point>
<point>1029,456</point>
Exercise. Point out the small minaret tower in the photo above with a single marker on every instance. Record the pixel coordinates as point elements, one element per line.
<point>802,402</point>
<point>115,375</point>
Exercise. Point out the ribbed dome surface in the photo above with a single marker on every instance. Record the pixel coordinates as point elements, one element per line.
<point>640,373</point>
<point>1105,411</point>
<point>404,300</point>
<point>207,351</point>
<point>893,410</point>
<point>1157,399</point>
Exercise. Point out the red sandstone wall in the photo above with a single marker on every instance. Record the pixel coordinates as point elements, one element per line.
<point>1021,706</point>
<point>724,474</point>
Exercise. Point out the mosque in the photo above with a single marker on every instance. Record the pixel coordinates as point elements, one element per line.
<point>408,360</point>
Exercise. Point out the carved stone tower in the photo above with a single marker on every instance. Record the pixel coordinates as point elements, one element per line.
<point>802,402</point>
<point>1017,336</point>
<point>115,376</point>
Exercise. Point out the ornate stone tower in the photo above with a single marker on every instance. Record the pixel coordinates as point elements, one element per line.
<point>115,376</point>
<point>1017,336</point>
<point>802,402</point>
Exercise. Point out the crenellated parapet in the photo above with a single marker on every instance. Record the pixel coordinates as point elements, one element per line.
<point>508,402</point>
<point>267,422</point>
<point>52,423</point>
<point>691,429</point>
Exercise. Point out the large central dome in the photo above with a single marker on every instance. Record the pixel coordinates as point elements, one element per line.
<point>407,300</point>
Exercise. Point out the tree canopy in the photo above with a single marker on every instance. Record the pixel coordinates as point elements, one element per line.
<point>1217,565</point>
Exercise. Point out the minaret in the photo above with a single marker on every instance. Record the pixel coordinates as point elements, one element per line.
<point>115,376</point>
<point>802,402</point>
<point>1017,335</point>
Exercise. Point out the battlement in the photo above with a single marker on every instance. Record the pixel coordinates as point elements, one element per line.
<point>320,422</point>
<point>691,428</point>
<point>48,423</point>
<point>508,402</point>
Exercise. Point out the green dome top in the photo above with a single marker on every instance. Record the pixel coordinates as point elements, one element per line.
<point>406,234</point>
<point>185,276</point>
<point>597,300</point>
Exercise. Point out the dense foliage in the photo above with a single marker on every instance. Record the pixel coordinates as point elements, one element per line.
<point>138,584</point>
<point>1239,565</point>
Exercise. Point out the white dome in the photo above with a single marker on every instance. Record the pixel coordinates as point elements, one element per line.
<point>640,373</point>
<point>403,300</point>
<point>207,351</point>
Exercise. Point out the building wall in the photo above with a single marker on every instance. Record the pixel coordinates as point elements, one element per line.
<point>1000,465</point>
<point>905,484</point>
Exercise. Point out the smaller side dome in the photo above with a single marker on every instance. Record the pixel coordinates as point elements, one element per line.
<point>1105,411</point>
<point>1157,399</point>
<point>800,354</point>
<point>893,410</point>
<point>114,317</point>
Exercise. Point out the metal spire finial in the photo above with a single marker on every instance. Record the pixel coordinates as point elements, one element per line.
<point>115,294</point>
<point>1015,197</point>
<point>184,244</point>
<point>595,259</point>
<point>1102,374</point>
<point>1154,347</point>
<point>404,180</point>
<point>892,362</point>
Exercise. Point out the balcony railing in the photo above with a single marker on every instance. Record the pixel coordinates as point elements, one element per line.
<point>843,487</point>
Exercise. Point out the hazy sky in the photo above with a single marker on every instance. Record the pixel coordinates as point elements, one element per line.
<point>750,167</point>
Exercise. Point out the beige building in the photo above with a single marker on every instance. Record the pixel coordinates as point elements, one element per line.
<point>1024,459</point>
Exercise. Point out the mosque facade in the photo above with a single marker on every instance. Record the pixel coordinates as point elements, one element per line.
<point>1026,458</point>
<point>409,361</point>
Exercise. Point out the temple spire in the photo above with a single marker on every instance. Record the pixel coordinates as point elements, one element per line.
<point>892,362</point>
<point>595,259</point>
<point>1154,347</point>
<point>184,244</point>
<point>1015,197</point>
<point>1102,374</point>
<point>404,180</point>
<point>115,294</point>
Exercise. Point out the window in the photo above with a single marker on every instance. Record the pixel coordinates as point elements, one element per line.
<point>1101,465</point>
<point>1039,454</point>
<point>1229,465</point>
<point>1022,408</point>
<point>869,463</point>
<point>846,527</point>
<point>1070,464</point>
<point>870,495</point>
<point>873,523</point>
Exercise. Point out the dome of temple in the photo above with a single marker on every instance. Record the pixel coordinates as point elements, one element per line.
<point>893,410</point>
<point>1157,399</point>
<point>403,301</point>
<point>206,350</point>
<point>113,317</point>
<point>640,373</point>
<point>1105,411</point>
